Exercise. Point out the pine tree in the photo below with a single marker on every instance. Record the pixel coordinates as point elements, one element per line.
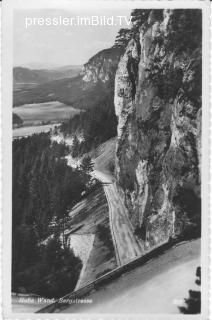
<point>193,302</point>
<point>75,147</point>
<point>123,37</point>
<point>87,165</point>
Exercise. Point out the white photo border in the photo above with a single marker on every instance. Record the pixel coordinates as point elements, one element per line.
<point>8,7</point>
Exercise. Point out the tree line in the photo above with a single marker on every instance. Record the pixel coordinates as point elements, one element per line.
<point>95,126</point>
<point>44,190</point>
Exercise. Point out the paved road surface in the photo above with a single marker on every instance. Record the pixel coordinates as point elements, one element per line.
<point>126,246</point>
<point>159,286</point>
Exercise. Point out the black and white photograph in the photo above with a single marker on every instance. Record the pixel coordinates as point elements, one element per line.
<point>106,173</point>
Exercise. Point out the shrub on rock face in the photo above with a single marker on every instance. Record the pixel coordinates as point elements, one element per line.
<point>193,302</point>
<point>177,50</point>
<point>188,208</point>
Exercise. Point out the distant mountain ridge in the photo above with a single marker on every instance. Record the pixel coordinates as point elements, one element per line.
<point>26,75</point>
<point>93,84</point>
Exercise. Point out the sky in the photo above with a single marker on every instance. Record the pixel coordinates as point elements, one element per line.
<point>46,46</point>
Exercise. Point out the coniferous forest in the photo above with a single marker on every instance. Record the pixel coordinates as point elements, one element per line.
<point>96,126</point>
<point>44,189</point>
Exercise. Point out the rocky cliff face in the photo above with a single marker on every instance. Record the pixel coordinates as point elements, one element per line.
<point>102,66</point>
<point>158,105</point>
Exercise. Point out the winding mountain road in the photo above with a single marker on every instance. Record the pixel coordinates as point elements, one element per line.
<point>125,243</point>
<point>126,246</point>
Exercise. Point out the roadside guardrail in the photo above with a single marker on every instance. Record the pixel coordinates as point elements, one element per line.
<point>110,276</point>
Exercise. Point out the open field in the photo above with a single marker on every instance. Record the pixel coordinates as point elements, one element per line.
<point>22,86</point>
<point>48,111</point>
<point>28,131</point>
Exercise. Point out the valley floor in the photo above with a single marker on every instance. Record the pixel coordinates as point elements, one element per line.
<point>159,286</point>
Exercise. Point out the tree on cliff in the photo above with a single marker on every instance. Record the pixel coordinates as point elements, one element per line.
<point>139,17</point>
<point>123,37</point>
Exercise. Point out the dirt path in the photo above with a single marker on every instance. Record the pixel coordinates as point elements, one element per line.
<point>125,243</point>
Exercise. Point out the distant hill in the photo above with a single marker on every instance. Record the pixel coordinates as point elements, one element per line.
<point>69,91</point>
<point>68,67</point>
<point>84,91</point>
<point>30,76</point>
<point>92,91</point>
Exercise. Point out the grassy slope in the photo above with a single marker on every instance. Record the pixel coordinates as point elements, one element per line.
<point>91,213</point>
<point>104,156</point>
<point>102,257</point>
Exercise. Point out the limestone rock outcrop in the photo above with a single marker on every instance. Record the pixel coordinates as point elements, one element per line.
<point>158,105</point>
<point>102,66</point>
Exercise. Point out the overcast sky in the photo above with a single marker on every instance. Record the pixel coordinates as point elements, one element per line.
<point>52,46</point>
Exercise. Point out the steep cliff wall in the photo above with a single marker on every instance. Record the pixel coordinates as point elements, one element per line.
<point>158,105</point>
<point>102,66</point>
